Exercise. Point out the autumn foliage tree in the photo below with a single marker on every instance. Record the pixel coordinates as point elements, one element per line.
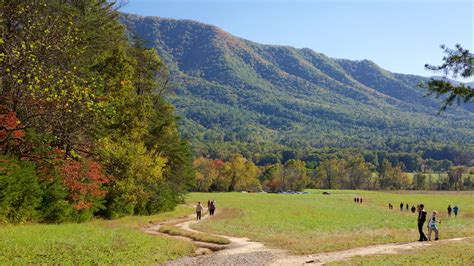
<point>83,103</point>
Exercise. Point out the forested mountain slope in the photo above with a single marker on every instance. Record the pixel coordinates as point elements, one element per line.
<point>242,95</point>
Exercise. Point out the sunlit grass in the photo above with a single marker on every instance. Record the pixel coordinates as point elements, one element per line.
<point>97,242</point>
<point>203,237</point>
<point>312,223</point>
<point>452,253</point>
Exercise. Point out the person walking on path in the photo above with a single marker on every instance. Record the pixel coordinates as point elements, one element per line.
<point>407,206</point>
<point>401,206</point>
<point>198,211</point>
<point>413,209</point>
<point>421,221</point>
<point>449,210</point>
<point>212,208</point>
<point>432,227</point>
<point>360,200</point>
<point>455,210</point>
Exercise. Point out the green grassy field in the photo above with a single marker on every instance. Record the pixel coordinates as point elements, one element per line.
<point>453,253</point>
<point>313,223</point>
<point>97,242</point>
<point>302,224</point>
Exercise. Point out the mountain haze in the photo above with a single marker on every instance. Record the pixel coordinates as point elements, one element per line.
<point>238,93</point>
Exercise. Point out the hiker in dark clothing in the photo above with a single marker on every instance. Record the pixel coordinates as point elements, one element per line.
<point>455,210</point>
<point>390,206</point>
<point>360,200</point>
<point>413,209</point>
<point>407,206</point>
<point>212,208</point>
<point>449,210</point>
<point>401,206</point>
<point>355,199</point>
<point>421,222</point>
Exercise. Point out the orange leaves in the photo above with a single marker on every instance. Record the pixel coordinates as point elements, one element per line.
<point>84,181</point>
<point>10,127</point>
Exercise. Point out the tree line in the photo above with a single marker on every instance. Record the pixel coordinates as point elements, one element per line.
<point>84,129</point>
<point>349,172</point>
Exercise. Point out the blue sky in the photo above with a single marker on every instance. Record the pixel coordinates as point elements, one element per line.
<point>401,36</point>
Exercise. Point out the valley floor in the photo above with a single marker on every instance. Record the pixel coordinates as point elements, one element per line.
<point>270,229</point>
<point>242,251</point>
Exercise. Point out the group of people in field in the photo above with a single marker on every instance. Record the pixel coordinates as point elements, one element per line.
<point>413,209</point>
<point>358,199</point>
<point>432,223</point>
<point>451,210</point>
<point>211,206</point>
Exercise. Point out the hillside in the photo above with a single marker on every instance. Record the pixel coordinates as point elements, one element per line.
<point>239,94</point>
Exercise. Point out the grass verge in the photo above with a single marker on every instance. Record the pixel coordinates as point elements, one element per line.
<point>447,253</point>
<point>202,237</point>
<point>118,241</point>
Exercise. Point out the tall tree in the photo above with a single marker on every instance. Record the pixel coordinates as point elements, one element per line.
<point>358,172</point>
<point>295,176</point>
<point>331,173</point>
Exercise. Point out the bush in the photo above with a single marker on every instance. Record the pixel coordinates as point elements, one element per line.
<point>54,208</point>
<point>20,192</point>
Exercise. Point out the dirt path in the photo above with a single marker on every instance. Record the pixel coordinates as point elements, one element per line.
<point>243,251</point>
<point>322,258</point>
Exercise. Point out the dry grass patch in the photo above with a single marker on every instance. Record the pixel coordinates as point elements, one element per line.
<point>202,237</point>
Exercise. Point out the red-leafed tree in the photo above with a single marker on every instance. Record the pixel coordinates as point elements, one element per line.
<point>84,181</point>
<point>11,130</point>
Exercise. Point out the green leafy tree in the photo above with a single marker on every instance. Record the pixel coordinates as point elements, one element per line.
<point>457,62</point>
<point>20,192</point>
<point>358,172</point>
<point>331,173</point>
<point>455,177</point>
<point>419,181</point>
<point>392,177</point>
<point>295,176</point>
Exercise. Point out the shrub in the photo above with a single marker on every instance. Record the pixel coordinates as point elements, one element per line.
<point>20,192</point>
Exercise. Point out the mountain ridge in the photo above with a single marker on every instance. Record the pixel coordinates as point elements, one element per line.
<point>239,92</point>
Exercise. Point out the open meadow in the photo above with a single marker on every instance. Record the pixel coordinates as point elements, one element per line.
<point>311,223</point>
<point>300,223</point>
<point>451,253</point>
<point>118,241</point>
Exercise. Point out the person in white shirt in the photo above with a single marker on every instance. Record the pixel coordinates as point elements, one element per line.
<point>198,211</point>
<point>432,227</point>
